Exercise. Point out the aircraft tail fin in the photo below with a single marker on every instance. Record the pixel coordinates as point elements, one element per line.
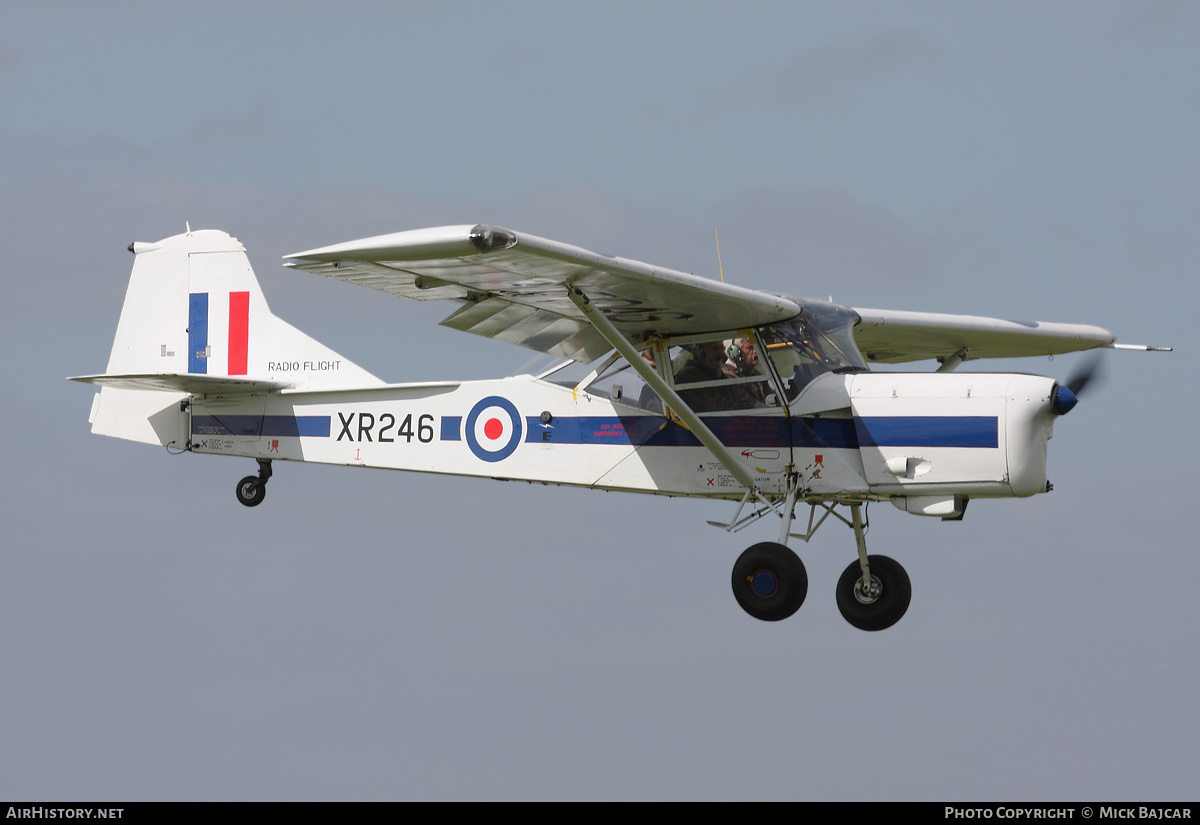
<point>195,320</point>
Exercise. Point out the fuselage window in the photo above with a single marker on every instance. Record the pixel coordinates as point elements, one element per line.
<point>620,383</point>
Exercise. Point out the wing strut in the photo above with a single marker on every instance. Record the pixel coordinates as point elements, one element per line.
<point>951,364</point>
<point>682,410</point>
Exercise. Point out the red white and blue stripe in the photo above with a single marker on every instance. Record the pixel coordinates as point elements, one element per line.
<point>236,322</point>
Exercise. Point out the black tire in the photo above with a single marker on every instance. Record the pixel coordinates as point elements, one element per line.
<point>888,607</point>
<point>769,581</point>
<point>251,490</point>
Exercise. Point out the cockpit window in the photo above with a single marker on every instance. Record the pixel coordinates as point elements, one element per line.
<point>721,374</point>
<point>819,340</point>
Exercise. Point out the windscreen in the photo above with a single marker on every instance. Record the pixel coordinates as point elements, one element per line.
<point>818,340</point>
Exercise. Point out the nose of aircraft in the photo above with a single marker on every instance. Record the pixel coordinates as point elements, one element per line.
<point>1064,400</point>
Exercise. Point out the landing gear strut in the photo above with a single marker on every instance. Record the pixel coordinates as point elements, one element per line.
<point>880,604</point>
<point>873,593</point>
<point>251,490</point>
<point>770,582</point>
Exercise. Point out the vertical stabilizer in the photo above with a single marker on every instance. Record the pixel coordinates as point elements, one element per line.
<point>195,320</point>
<point>194,307</point>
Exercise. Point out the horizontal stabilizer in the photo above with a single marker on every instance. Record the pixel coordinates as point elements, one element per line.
<point>177,382</point>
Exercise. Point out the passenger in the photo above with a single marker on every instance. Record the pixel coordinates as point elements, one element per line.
<point>743,356</point>
<point>743,363</point>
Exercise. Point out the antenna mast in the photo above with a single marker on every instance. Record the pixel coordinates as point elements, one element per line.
<point>720,266</point>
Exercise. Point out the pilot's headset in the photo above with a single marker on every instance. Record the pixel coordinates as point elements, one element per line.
<point>733,351</point>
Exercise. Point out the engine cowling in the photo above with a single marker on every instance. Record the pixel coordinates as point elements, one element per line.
<point>953,434</point>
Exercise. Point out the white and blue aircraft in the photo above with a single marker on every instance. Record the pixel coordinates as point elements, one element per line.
<point>668,384</point>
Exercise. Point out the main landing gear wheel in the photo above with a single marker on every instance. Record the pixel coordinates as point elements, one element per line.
<point>879,605</point>
<point>769,581</point>
<point>251,491</point>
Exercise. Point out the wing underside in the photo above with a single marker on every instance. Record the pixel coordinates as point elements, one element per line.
<point>513,287</point>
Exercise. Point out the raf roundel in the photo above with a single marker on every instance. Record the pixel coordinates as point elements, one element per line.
<point>493,428</point>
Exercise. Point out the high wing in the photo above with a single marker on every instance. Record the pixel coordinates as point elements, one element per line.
<point>514,288</point>
<point>892,336</point>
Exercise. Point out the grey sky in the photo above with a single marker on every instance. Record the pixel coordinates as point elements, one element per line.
<point>376,635</point>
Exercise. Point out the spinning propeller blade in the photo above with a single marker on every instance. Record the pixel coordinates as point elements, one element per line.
<point>1067,395</point>
<point>1088,370</point>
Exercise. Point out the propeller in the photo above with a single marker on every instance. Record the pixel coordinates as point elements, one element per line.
<point>1067,395</point>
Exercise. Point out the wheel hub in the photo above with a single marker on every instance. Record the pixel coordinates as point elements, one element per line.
<point>868,594</point>
<point>764,584</point>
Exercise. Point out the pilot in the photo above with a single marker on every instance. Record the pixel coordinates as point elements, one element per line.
<point>706,364</point>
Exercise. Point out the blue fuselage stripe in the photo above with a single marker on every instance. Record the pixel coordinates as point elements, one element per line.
<point>929,431</point>
<point>656,431</point>
<point>830,433</point>
<point>772,431</point>
<point>312,426</point>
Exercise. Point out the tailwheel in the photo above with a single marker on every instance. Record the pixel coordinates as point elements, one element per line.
<point>251,490</point>
<point>769,581</point>
<point>879,603</point>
